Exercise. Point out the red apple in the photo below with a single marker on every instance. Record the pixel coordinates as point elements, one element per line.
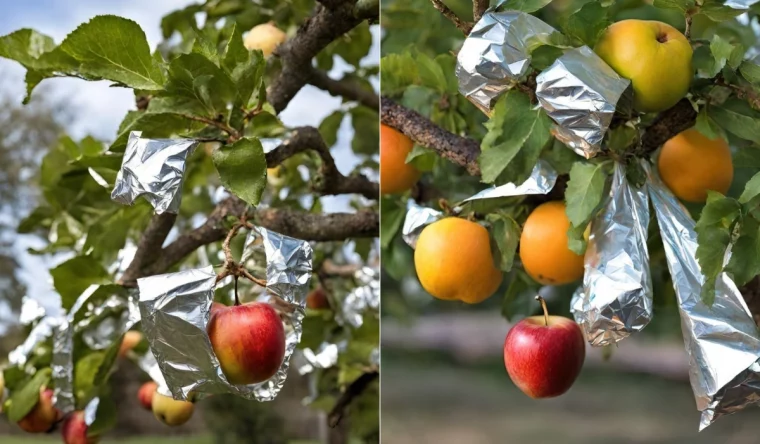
<point>74,430</point>
<point>544,354</point>
<point>249,341</point>
<point>317,299</point>
<point>145,394</point>
<point>43,416</point>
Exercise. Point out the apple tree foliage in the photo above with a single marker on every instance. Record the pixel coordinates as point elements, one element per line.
<point>417,72</point>
<point>201,82</point>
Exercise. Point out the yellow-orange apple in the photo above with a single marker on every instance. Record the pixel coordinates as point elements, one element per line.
<point>654,56</point>
<point>74,430</point>
<point>249,341</point>
<point>544,354</point>
<point>171,411</point>
<point>265,37</point>
<point>145,394</point>
<point>42,417</point>
<point>130,341</point>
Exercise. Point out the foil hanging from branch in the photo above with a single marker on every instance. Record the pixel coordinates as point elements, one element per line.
<point>362,299</point>
<point>721,340</point>
<point>153,168</point>
<point>541,181</point>
<point>175,310</point>
<point>616,299</point>
<point>325,356</point>
<point>496,54</point>
<point>580,92</point>
<point>417,218</point>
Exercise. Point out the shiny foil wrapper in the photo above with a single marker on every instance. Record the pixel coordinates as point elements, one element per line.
<point>580,92</point>
<point>722,340</point>
<point>616,299</point>
<point>325,356</point>
<point>153,168</point>
<point>541,181</point>
<point>496,54</point>
<point>104,323</point>
<point>740,4</point>
<point>417,218</point>
<point>364,298</point>
<point>175,310</point>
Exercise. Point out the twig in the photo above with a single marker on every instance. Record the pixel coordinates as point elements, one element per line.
<point>344,88</point>
<point>463,26</point>
<point>687,29</point>
<point>352,391</point>
<point>479,7</point>
<point>148,248</point>
<point>234,134</point>
<point>232,268</point>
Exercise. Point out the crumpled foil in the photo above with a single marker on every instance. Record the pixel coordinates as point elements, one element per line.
<point>363,298</point>
<point>39,333</point>
<point>325,356</point>
<point>722,340</point>
<point>99,330</point>
<point>740,4</point>
<point>153,168</point>
<point>580,92</point>
<point>617,284</point>
<point>541,181</point>
<point>496,54</point>
<point>417,218</point>
<point>175,310</point>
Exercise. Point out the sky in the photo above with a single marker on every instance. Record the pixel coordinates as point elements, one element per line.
<point>101,107</point>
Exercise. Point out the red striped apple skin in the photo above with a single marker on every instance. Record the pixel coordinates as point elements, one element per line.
<point>544,360</point>
<point>248,340</point>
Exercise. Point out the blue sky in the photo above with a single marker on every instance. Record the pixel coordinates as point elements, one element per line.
<point>101,108</point>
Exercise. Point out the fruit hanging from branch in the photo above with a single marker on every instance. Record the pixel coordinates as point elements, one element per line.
<point>544,355</point>
<point>171,411</point>
<point>43,416</point>
<point>146,393</point>
<point>265,37</point>
<point>454,262</point>
<point>396,176</point>
<point>248,340</point>
<point>74,430</point>
<point>130,341</point>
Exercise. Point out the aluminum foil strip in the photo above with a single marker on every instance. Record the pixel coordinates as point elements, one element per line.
<point>541,181</point>
<point>364,298</point>
<point>101,328</point>
<point>576,307</point>
<point>417,218</point>
<point>40,332</point>
<point>325,356</point>
<point>496,54</point>
<point>149,365</point>
<point>175,313</point>
<point>740,4</point>
<point>722,340</point>
<point>153,168</point>
<point>31,311</point>
<point>617,284</point>
<point>580,92</point>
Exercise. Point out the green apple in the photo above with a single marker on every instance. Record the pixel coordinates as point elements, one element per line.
<point>654,56</point>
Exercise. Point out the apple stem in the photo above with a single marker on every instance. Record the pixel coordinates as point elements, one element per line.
<point>237,300</point>
<point>543,306</point>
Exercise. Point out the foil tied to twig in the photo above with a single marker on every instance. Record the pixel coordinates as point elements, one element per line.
<point>580,92</point>
<point>496,54</point>
<point>100,323</point>
<point>617,284</point>
<point>362,299</point>
<point>325,356</point>
<point>721,340</point>
<point>541,181</point>
<point>417,218</point>
<point>175,310</point>
<point>153,168</point>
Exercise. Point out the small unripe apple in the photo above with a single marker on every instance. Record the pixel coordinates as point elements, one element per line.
<point>276,176</point>
<point>130,341</point>
<point>544,354</point>
<point>43,416</point>
<point>248,340</point>
<point>74,430</point>
<point>146,393</point>
<point>317,299</point>
<point>171,411</point>
<point>265,37</point>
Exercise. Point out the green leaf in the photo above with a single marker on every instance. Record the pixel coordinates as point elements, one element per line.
<point>242,169</point>
<point>235,53</point>
<point>182,20</point>
<point>716,11</point>
<point>751,72</point>
<point>329,127</point>
<point>366,130</point>
<point>517,132</point>
<point>584,191</point>
<point>24,399</point>
<point>588,23</point>
<point>105,417</point>
<point>745,254</point>
<point>397,72</point>
<point>621,138</point>
<point>505,233</point>
<point>707,126</point>
<point>751,189</point>
<point>107,364</point>
<point>422,158</point>
<point>114,48</point>
<point>736,117</point>
<point>85,370</point>
<point>519,300</point>
<point>721,50</point>
<point>153,126</point>
<point>713,237</point>
<point>393,212</point>
<point>431,74</point>
<point>677,5</point>
<point>72,277</point>
<point>523,5</point>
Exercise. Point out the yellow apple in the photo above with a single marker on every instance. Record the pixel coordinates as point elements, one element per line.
<point>171,411</point>
<point>265,37</point>
<point>276,176</point>
<point>654,56</point>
